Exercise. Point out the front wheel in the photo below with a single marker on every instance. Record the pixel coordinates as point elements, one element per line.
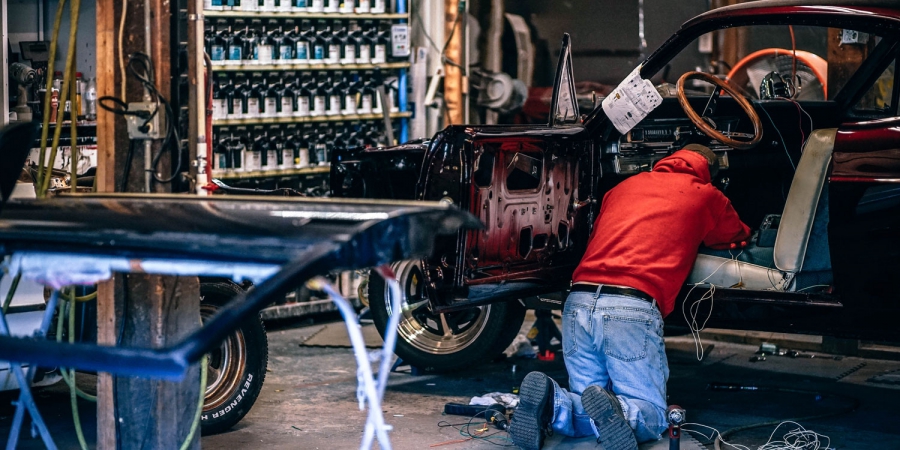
<point>442,342</point>
<point>237,368</point>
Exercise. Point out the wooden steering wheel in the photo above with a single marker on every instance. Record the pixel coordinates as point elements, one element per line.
<point>706,127</point>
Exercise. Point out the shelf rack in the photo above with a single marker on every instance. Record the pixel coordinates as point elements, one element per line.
<point>317,170</point>
<point>309,119</point>
<point>302,15</point>
<point>299,67</point>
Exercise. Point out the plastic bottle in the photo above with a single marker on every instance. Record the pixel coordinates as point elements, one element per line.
<point>335,96</point>
<point>320,98</point>
<point>300,6</point>
<point>319,44</point>
<point>235,42</point>
<point>381,43</point>
<point>285,44</point>
<point>364,7</point>
<point>238,148</point>
<point>222,92</point>
<point>255,99</point>
<point>351,92</point>
<point>273,151</point>
<point>316,6</point>
<point>302,159</point>
<point>349,47</point>
<point>302,45</point>
<point>288,150</point>
<point>346,6</point>
<point>287,95</point>
<point>331,6</point>
<point>272,99</point>
<point>378,7</point>
<point>333,39</point>
<point>90,99</point>
<point>364,41</point>
<point>303,93</point>
<point>54,105</point>
<point>258,150</point>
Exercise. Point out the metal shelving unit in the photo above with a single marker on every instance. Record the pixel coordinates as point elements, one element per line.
<point>301,15</point>
<point>299,67</point>
<point>308,119</point>
<point>270,173</point>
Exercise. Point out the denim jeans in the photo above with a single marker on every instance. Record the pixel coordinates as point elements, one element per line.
<point>615,342</point>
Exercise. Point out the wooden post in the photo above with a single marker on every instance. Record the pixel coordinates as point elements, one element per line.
<point>139,310</point>
<point>453,75</point>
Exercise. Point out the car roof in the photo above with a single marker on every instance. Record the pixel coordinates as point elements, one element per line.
<point>889,8</point>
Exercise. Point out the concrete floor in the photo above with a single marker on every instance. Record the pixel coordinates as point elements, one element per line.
<point>309,401</point>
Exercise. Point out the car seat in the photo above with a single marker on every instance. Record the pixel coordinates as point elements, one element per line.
<point>800,257</point>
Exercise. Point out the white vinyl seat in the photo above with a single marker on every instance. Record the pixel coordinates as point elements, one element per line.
<point>801,242</point>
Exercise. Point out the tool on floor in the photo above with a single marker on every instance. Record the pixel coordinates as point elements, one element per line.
<point>496,414</point>
<point>544,330</point>
<point>675,415</point>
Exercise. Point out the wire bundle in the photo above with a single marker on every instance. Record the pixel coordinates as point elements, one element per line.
<point>799,438</point>
<point>479,434</point>
<point>693,323</point>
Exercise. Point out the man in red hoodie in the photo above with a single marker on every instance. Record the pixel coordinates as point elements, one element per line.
<point>643,246</point>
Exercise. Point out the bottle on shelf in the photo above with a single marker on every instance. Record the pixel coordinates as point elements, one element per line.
<point>237,146</point>
<point>215,44</point>
<point>249,5</point>
<point>258,150</point>
<point>391,88</point>
<point>284,6</point>
<point>235,42</point>
<point>305,36</point>
<point>367,96</point>
<point>303,93</point>
<point>222,155</point>
<point>90,99</point>
<point>222,92</point>
<point>288,49</point>
<point>320,44</point>
<point>378,7</point>
<point>303,137</point>
<point>320,147</point>
<point>364,7</point>
<point>346,6</point>
<point>256,98</point>
<point>281,53</point>
<point>320,97</point>
<point>273,150</point>
<point>78,107</point>
<point>349,46</point>
<point>267,5</point>
<point>272,98</point>
<point>364,42</point>
<point>213,5</point>
<point>381,42</point>
<point>300,6</point>
<point>287,95</point>
<point>256,36</point>
<point>289,148</point>
<point>316,6</point>
<point>240,97</point>
<point>332,37</point>
<point>265,48</point>
<point>351,94</point>
<point>331,6</point>
<point>335,95</point>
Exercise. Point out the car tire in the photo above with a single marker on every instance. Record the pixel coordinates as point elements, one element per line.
<point>237,369</point>
<point>480,333</point>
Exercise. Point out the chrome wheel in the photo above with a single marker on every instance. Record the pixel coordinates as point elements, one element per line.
<point>437,334</point>
<point>225,365</point>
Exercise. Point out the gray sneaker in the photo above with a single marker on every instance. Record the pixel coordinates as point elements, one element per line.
<point>531,421</point>
<point>606,411</point>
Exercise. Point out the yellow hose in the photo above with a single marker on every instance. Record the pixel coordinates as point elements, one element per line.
<point>73,115</point>
<point>45,129</point>
<point>74,9</point>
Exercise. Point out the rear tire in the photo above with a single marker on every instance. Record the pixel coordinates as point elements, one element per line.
<point>474,335</point>
<point>237,368</point>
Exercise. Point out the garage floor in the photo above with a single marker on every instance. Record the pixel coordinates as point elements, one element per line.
<point>308,400</point>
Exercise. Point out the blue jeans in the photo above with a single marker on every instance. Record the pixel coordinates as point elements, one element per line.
<point>615,342</point>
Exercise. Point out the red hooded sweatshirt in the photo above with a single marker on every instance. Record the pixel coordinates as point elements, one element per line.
<point>651,226</point>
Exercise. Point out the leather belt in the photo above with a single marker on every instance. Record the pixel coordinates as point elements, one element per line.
<point>614,290</point>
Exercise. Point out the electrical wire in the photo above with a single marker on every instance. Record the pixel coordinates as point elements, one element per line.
<point>196,423</point>
<point>695,306</point>
<point>466,432</point>
<point>783,144</point>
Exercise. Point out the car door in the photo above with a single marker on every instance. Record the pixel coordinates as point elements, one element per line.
<point>864,190</point>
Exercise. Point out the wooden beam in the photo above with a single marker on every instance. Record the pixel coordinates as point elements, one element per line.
<point>139,310</point>
<point>453,75</point>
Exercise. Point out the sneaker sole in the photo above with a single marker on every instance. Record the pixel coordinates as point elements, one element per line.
<point>527,427</point>
<point>615,433</point>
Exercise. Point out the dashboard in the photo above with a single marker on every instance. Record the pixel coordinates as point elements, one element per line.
<point>639,149</point>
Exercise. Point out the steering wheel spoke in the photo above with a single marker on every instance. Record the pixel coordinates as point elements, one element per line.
<point>708,126</point>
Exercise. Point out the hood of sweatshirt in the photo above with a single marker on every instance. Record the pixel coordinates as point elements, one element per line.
<point>686,162</point>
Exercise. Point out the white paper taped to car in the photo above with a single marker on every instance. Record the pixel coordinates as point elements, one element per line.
<point>631,101</point>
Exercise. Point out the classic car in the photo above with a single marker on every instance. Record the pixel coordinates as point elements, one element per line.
<point>807,132</point>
